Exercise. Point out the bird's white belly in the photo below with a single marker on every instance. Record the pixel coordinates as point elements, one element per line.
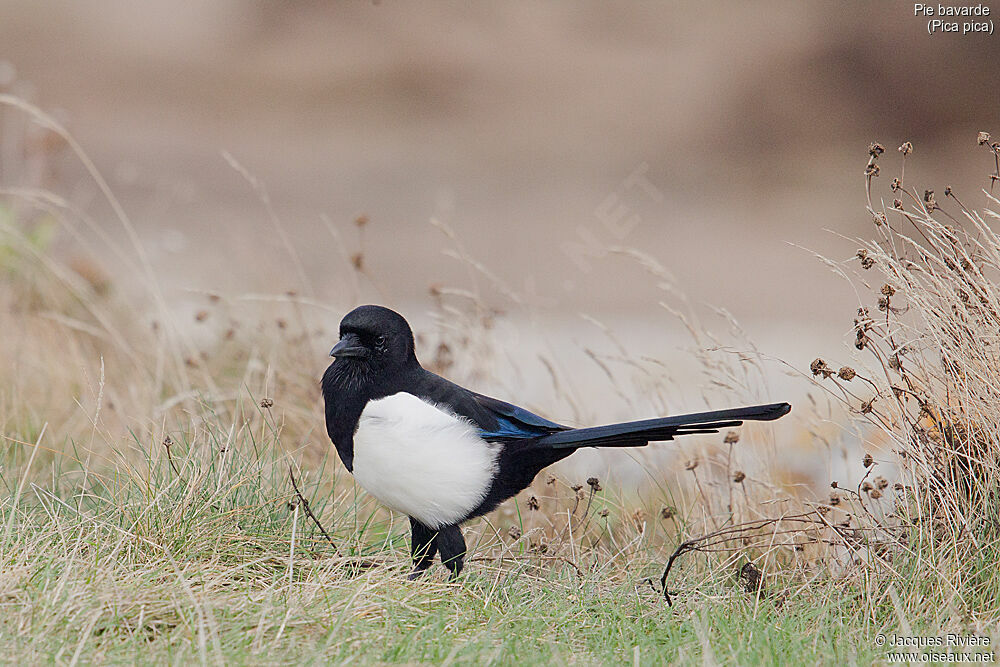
<point>421,460</point>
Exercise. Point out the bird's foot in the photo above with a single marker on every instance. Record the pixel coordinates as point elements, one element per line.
<point>456,570</point>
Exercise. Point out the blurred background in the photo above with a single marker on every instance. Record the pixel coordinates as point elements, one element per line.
<point>726,140</point>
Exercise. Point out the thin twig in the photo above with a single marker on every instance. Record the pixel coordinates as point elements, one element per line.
<point>167,444</point>
<point>305,506</point>
<point>722,535</point>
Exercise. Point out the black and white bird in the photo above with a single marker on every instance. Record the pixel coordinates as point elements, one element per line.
<point>442,454</point>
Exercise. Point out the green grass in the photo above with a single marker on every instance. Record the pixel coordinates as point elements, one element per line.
<point>145,563</point>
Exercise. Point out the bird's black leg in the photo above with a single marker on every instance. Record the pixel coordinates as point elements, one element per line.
<point>422,547</point>
<point>451,544</point>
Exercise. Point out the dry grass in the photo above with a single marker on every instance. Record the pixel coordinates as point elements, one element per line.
<point>930,390</point>
<point>149,509</point>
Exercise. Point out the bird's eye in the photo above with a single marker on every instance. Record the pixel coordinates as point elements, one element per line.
<point>380,341</point>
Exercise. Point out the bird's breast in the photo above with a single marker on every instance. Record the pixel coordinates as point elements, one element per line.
<point>420,459</point>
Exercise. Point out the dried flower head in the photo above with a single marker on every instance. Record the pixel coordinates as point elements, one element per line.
<point>514,532</point>
<point>983,138</point>
<point>361,220</point>
<point>594,483</point>
<point>895,185</point>
<point>168,441</point>
<point>358,261</point>
<point>834,484</point>
<point>604,512</point>
<point>834,499</point>
<point>866,487</point>
<point>881,483</point>
<point>872,170</point>
<point>948,191</point>
<point>906,148</point>
<point>691,464</point>
<point>266,403</point>
<point>532,503</point>
<point>875,494</point>
<point>550,480</point>
<point>732,437</point>
<point>846,373</point>
<point>868,460</point>
<point>819,367</point>
<point>739,476</point>
<point>897,204</point>
<point>201,316</point>
<point>898,487</point>
<point>576,487</point>
<point>667,513</point>
<point>866,261</point>
<point>875,149</point>
<point>888,289</point>
<point>639,516</point>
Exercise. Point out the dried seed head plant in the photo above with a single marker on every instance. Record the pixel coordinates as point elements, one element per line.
<point>920,524</point>
<point>933,393</point>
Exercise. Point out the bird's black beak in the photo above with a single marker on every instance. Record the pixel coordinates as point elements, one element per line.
<point>349,346</point>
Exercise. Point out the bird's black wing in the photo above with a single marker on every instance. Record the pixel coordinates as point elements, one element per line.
<point>495,419</point>
<point>513,422</point>
<point>503,422</point>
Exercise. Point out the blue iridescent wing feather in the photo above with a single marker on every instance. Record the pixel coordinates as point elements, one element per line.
<point>513,422</point>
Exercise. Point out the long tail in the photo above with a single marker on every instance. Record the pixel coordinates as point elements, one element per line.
<point>638,433</point>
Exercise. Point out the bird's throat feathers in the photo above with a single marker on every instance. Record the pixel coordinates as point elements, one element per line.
<point>347,387</point>
<point>348,376</point>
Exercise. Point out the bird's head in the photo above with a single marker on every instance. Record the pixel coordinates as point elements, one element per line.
<point>375,341</point>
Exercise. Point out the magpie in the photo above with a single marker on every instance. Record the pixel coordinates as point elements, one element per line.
<point>442,454</point>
